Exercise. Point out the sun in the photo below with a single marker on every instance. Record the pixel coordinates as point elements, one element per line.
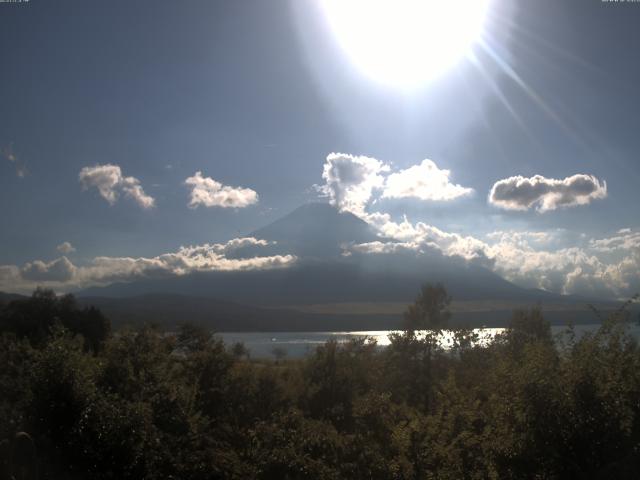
<point>405,43</point>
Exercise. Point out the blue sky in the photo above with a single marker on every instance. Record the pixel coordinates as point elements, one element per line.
<point>256,95</point>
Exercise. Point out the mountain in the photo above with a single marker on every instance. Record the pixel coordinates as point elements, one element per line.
<point>324,289</point>
<point>316,230</point>
<point>316,234</point>
<point>9,297</point>
<point>170,310</point>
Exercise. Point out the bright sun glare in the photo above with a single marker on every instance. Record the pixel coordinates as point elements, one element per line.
<point>405,42</point>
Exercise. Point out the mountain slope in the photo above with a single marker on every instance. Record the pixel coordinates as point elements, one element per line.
<point>9,297</point>
<point>316,230</point>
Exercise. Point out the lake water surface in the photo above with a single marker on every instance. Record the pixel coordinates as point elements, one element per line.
<point>299,344</point>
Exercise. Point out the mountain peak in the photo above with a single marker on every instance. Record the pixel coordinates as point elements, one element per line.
<point>316,230</point>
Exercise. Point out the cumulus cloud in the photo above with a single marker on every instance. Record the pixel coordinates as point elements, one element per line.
<point>207,192</point>
<point>605,267</point>
<point>625,239</point>
<point>62,274</point>
<point>554,261</point>
<point>66,248</point>
<point>110,183</point>
<point>132,189</point>
<point>544,194</point>
<point>421,238</point>
<point>59,270</point>
<point>350,180</point>
<point>207,257</point>
<point>353,182</point>
<point>424,181</point>
<point>519,260</point>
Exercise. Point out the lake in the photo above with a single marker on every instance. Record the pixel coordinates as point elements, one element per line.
<point>299,344</point>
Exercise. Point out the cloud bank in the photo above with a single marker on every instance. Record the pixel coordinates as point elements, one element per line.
<point>604,267</point>
<point>545,194</point>
<point>110,183</point>
<point>207,192</point>
<point>62,274</point>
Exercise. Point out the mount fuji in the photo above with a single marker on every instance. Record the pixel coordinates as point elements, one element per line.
<point>318,234</point>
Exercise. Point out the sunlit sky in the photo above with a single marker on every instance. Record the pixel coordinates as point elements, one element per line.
<point>130,129</point>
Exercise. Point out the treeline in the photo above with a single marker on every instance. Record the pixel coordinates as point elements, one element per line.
<point>146,405</point>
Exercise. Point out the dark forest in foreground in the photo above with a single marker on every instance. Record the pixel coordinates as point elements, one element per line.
<point>142,404</point>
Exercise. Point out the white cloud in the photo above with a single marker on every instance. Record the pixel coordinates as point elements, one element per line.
<point>421,237</point>
<point>519,261</point>
<point>59,270</point>
<point>110,182</point>
<point>66,248</point>
<point>382,247</point>
<point>425,182</point>
<point>586,269</point>
<point>555,260</point>
<point>350,180</point>
<point>62,274</point>
<point>544,194</point>
<point>207,192</point>
<point>607,267</point>
<point>132,189</point>
<point>625,239</point>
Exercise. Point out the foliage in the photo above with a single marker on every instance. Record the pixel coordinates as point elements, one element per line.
<point>36,317</point>
<point>430,310</point>
<point>144,404</point>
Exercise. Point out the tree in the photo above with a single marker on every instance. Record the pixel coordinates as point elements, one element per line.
<point>34,318</point>
<point>279,353</point>
<point>240,351</point>
<point>414,354</point>
<point>526,326</point>
<point>193,338</point>
<point>430,310</point>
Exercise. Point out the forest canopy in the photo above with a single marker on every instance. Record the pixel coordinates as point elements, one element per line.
<point>143,404</point>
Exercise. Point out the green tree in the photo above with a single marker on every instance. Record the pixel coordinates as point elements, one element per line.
<point>34,318</point>
<point>430,311</point>
<point>411,355</point>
